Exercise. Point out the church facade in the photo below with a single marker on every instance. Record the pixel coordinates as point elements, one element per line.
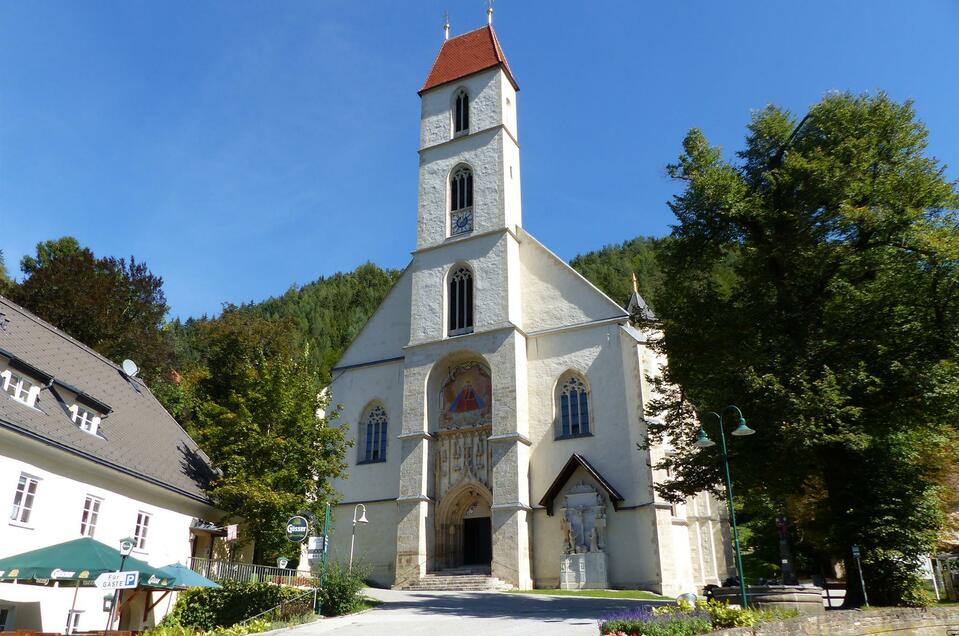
<point>496,398</point>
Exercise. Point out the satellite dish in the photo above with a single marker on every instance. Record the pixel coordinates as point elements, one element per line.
<point>130,368</point>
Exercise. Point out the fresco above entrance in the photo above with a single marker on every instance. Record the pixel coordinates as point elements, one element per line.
<point>466,399</point>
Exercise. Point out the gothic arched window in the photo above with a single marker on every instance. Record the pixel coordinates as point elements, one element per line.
<point>373,446</point>
<point>461,201</point>
<point>573,405</point>
<point>461,113</point>
<point>461,301</point>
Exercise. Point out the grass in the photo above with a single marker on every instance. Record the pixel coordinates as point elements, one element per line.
<point>636,595</point>
<point>366,603</point>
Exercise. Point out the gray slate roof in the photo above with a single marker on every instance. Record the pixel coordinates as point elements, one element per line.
<point>138,437</point>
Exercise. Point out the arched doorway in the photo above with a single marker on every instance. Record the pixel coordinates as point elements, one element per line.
<point>464,534</point>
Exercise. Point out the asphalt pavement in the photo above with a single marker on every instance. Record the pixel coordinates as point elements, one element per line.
<point>472,614</point>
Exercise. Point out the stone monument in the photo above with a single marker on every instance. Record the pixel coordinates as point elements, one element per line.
<point>583,564</point>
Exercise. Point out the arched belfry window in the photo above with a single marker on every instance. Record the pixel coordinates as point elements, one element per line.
<point>461,301</point>
<point>373,427</point>
<point>573,403</point>
<point>461,113</point>
<point>461,201</point>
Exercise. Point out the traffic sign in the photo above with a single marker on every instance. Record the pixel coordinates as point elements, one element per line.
<point>855,551</point>
<point>297,529</point>
<point>118,580</point>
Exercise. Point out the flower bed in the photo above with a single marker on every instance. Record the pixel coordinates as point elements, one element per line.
<point>686,620</point>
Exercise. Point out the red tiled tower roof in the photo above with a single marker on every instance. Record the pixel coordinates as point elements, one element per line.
<point>467,54</point>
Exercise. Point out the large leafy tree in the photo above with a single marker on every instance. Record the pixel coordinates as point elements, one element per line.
<point>252,403</point>
<point>116,306</point>
<point>814,282</point>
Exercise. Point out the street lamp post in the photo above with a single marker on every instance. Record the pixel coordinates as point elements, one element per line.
<point>362,519</point>
<point>703,441</point>
<point>126,547</point>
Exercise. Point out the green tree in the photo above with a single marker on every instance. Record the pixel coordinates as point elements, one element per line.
<point>836,328</point>
<point>115,306</point>
<point>49,251</point>
<point>612,268</point>
<point>5,281</point>
<point>252,406</point>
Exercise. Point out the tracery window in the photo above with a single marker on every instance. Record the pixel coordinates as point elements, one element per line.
<point>461,301</point>
<point>374,444</point>
<point>461,113</point>
<point>573,408</point>
<point>461,201</point>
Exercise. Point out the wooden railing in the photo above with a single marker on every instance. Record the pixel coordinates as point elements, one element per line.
<point>247,572</point>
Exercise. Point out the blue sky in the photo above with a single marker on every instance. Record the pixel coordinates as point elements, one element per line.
<point>242,147</point>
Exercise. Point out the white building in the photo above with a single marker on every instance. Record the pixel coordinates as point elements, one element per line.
<point>87,451</point>
<point>496,397</point>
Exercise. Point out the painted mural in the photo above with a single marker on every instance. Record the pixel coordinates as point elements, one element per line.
<point>466,399</point>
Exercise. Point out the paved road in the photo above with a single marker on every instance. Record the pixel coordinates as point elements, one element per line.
<point>471,614</point>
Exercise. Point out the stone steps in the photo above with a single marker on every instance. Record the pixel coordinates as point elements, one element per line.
<point>455,582</point>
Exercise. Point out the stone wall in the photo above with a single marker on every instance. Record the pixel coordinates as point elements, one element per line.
<point>939,621</point>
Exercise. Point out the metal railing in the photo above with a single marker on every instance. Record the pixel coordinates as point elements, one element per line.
<point>247,572</point>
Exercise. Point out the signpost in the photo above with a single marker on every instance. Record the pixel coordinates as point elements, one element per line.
<point>118,580</point>
<point>297,529</point>
<point>862,581</point>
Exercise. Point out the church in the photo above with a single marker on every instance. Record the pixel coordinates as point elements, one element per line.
<point>496,399</point>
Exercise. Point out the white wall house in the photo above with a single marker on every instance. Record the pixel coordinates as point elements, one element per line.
<point>86,450</point>
<point>496,397</point>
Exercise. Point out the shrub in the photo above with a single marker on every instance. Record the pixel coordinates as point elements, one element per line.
<point>340,592</point>
<point>208,608</point>
<point>251,627</point>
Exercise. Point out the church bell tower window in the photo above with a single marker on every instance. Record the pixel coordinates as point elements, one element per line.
<point>461,113</point>
<point>461,301</point>
<point>461,201</point>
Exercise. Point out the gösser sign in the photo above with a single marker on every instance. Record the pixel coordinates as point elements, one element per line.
<point>118,580</point>
<point>297,529</point>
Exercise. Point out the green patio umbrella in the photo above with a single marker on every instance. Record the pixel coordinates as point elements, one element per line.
<point>80,561</point>
<point>185,577</point>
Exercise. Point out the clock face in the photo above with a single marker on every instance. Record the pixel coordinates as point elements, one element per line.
<point>462,221</point>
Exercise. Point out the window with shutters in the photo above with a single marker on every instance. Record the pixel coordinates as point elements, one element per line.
<point>19,388</point>
<point>85,419</point>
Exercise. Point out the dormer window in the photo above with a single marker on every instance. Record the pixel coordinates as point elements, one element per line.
<point>19,388</point>
<point>461,113</point>
<point>85,419</point>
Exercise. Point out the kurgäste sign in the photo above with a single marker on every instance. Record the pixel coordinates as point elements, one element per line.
<point>297,529</point>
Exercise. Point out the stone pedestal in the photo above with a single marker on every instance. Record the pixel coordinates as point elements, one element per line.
<point>805,600</point>
<point>583,571</point>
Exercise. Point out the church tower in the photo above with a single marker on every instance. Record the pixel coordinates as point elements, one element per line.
<point>465,305</point>
<point>469,154</point>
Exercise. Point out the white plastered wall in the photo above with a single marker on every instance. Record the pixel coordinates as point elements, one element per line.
<point>490,149</point>
<point>65,481</point>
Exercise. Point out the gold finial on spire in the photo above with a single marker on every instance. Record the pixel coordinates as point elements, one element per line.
<point>489,12</point>
<point>446,25</point>
<point>635,284</point>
